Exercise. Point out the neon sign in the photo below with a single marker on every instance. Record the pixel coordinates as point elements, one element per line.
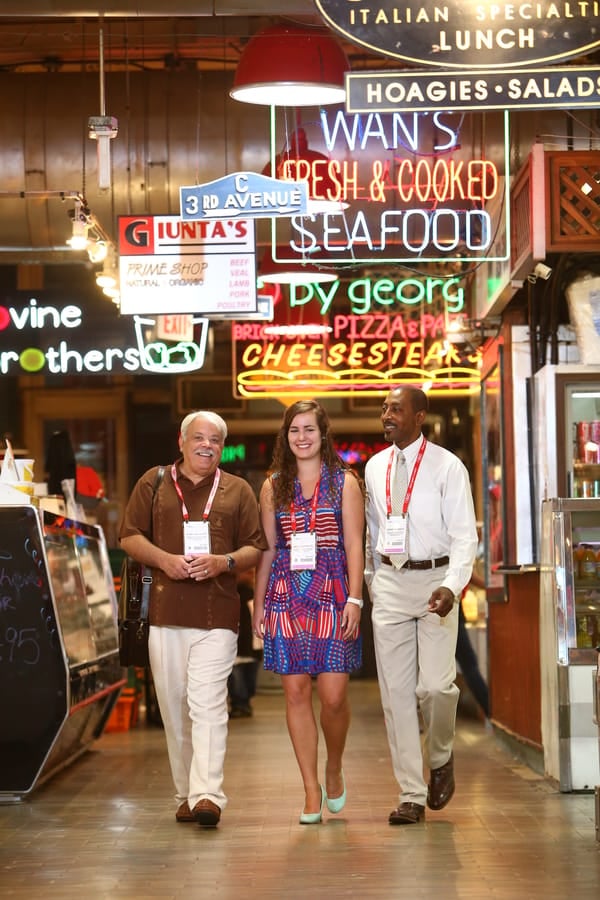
<point>413,191</point>
<point>161,344</point>
<point>366,294</point>
<point>363,352</point>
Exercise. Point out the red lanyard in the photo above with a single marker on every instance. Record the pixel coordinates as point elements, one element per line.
<point>209,502</point>
<point>413,475</point>
<point>313,509</point>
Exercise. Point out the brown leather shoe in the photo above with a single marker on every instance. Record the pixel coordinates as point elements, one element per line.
<point>207,814</point>
<point>407,814</point>
<point>441,785</point>
<point>184,813</point>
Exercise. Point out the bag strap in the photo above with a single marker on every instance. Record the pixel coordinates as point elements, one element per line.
<point>146,576</point>
<point>157,481</point>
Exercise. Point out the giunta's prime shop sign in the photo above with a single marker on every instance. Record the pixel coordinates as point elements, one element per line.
<point>462,33</point>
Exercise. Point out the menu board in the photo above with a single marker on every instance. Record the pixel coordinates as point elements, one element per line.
<point>34,677</point>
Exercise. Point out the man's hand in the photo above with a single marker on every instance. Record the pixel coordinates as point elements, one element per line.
<point>441,601</point>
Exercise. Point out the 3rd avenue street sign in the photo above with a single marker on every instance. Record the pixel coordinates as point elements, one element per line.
<point>245,194</point>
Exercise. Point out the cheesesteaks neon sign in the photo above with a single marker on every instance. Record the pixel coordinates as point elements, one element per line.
<point>413,192</point>
<point>394,333</point>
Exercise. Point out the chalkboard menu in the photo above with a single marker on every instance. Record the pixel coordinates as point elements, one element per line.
<point>34,674</point>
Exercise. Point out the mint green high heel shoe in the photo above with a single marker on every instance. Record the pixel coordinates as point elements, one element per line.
<point>336,804</point>
<point>314,818</point>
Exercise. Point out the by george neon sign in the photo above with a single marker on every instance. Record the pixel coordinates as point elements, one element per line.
<point>367,294</point>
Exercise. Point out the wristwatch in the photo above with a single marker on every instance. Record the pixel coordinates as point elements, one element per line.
<point>230,562</point>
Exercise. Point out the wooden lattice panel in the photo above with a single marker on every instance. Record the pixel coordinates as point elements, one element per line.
<point>520,217</point>
<point>573,196</point>
<point>528,214</point>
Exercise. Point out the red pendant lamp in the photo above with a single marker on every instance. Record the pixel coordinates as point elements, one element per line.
<point>291,65</point>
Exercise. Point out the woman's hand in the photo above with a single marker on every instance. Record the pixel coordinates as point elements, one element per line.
<point>350,621</point>
<point>258,623</point>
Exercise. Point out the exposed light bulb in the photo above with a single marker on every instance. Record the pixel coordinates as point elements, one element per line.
<point>105,279</point>
<point>97,251</point>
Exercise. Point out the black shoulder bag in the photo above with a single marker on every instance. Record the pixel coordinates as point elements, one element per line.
<point>134,603</point>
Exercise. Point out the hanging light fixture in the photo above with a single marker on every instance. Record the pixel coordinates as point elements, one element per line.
<point>97,250</point>
<point>291,65</point>
<point>108,276</point>
<point>287,267</point>
<point>103,128</point>
<point>80,217</point>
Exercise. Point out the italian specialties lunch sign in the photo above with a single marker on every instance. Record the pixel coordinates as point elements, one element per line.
<point>464,34</point>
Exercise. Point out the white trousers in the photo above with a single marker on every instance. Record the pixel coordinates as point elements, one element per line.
<point>415,655</point>
<point>190,668</point>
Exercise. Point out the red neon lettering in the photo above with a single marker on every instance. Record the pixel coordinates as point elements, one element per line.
<point>326,179</point>
<point>486,180</point>
<point>405,171</point>
<point>446,180</point>
<point>440,180</point>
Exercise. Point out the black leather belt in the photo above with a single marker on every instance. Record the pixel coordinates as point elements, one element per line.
<point>419,563</point>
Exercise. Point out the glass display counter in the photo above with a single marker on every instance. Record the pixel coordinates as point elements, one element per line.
<point>59,669</point>
<point>569,633</point>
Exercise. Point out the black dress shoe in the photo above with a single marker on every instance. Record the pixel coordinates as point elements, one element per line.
<point>441,785</point>
<point>240,712</point>
<point>407,814</point>
<point>207,813</point>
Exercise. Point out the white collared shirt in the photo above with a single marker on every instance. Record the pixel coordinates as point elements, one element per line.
<point>441,514</point>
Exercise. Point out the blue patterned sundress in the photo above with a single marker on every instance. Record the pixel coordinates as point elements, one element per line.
<point>303,610</point>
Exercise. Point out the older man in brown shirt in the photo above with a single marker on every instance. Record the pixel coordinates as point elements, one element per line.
<point>201,531</point>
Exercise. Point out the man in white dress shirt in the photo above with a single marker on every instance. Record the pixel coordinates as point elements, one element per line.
<point>421,545</point>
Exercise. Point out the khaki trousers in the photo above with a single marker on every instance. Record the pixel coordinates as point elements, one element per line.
<point>190,668</point>
<point>415,654</point>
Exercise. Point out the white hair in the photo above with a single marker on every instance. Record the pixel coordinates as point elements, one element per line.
<point>211,417</point>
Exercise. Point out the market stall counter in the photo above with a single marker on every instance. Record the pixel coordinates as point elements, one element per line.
<point>59,666</point>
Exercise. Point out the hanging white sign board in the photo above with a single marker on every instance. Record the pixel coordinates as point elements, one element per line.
<point>204,267</point>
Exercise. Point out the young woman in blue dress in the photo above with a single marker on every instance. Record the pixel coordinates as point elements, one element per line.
<point>308,593</point>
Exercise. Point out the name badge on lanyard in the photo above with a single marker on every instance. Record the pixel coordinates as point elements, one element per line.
<point>196,538</point>
<point>303,545</point>
<point>394,538</point>
<point>303,550</point>
<point>196,534</point>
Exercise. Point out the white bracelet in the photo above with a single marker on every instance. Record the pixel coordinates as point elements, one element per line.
<point>357,602</point>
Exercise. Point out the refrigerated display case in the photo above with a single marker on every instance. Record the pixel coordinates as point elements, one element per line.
<point>569,633</point>
<point>59,664</point>
<point>567,431</point>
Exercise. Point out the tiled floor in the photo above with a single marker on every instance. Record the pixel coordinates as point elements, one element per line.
<point>105,827</point>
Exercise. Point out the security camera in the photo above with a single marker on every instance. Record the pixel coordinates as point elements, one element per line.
<point>542,271</point>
